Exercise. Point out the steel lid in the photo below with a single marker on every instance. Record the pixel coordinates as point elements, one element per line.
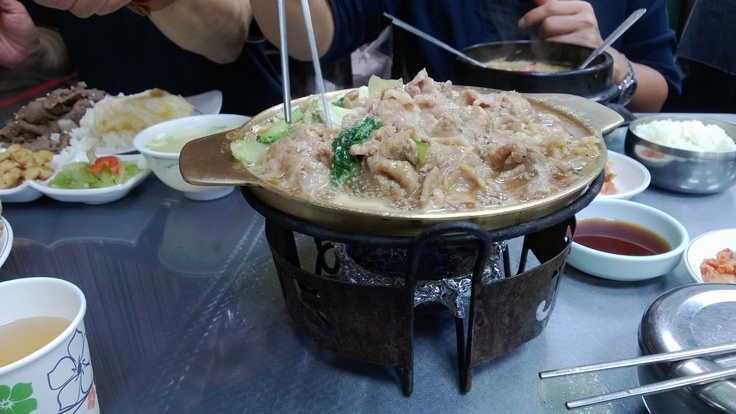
<point>686,317</point>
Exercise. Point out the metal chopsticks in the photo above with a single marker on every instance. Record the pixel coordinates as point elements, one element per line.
<point>284,55</point>
<point>668,385</point>
<point>657,387</point>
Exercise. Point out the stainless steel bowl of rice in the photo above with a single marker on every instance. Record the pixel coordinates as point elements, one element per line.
<point>685,154</point>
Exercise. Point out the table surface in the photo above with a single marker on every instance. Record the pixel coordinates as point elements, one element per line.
<point>185,314</point>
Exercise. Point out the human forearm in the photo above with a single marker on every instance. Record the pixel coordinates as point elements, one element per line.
<point>651,91</point>
<point>216,29</point>
<point>265,13</point>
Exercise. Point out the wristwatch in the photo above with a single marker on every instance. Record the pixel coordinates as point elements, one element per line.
<point>627,87</point>
<point>145,7</point>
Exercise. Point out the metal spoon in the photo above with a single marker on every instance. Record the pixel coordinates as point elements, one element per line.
<point>411,29</point>
<point>613,36</point>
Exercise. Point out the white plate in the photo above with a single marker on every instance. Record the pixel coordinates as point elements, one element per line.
<point>20,194</point>
<point>631,176</point>
<point>204,104</point>
<point>6,241</point>
<point>706,246</point>
<point>93,195</point>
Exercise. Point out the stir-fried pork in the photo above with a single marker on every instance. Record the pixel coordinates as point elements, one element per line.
<point>437,149</point>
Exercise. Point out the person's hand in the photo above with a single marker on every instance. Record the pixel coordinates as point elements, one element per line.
<point>19,37</point>
<point>568,21</point>
<point>571,21</point>
<point>85,8</point>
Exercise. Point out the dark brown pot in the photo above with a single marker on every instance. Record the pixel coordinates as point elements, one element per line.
<point>595,82</point>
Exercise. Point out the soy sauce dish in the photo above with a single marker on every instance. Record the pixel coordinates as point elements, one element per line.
<point>624,240</point>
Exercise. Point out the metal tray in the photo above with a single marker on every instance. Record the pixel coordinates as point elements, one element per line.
<point>686,317</point>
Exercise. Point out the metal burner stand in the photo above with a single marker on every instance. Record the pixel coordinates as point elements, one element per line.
<point>375,323</point>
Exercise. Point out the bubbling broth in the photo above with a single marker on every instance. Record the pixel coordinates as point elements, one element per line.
<point>619,237</point>
<point>524,65</point>
<point>22,337</point>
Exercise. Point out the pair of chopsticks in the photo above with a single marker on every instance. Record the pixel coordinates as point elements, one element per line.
<point>284,55</point>
<point>654,388</point>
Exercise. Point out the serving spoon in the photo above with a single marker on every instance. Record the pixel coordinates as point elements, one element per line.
<point>623,27</point>
<point>411,29</point>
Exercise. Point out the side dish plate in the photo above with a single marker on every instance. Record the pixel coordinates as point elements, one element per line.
<point>94,195</point>
<point>6,240</point>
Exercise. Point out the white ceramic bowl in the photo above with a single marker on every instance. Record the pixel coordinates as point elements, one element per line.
<point>630,176</point>
<point>165,164</point>
<point>706,246</point>
<point>624,267</point>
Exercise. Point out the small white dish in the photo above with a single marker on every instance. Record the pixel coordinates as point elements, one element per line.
<point>20,194</point>
<point>631,177</point>
<point>92,195</point>
<point>706,246</point>
<point>206,103</point>
<point>625,267</point>
<point>165,164</point>
<point>6,241</point>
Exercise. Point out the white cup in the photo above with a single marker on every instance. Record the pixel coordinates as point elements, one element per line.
<point>57,377</point>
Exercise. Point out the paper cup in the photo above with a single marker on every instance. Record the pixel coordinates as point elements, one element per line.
<point>58,377</point>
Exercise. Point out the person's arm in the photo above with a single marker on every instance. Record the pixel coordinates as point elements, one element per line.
<point>265,13</point>
<point>216,29</point>
<point>24,46</point>
<point>651,89</point>
<point>575,22</point>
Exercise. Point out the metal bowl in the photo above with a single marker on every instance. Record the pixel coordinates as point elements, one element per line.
<point>687,317</point>
<point>680,170</point>
<point>595,82</point>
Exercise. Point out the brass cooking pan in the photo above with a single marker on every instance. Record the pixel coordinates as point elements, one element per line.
<point>208,161</point>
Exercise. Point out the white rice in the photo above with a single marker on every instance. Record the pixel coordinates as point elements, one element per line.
<point>110,125</point>
<point>690,135</point>
<point>87,137</point>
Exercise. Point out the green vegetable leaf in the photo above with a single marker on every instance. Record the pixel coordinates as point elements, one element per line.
<point>76,175</point>
<point>343,163</point>
<point>247,151</point>
<point>421,152</point>
<point>376,84</point>
<point>281,129</point>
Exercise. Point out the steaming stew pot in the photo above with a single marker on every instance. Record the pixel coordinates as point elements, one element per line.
<point>595,82</point>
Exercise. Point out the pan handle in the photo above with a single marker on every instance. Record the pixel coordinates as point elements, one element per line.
<point>208,161</point>
<point>598,116</point>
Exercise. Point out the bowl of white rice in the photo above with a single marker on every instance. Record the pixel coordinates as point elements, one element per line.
<point>685,154</point>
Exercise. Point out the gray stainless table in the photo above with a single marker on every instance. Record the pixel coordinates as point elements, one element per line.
<point>185,314</point>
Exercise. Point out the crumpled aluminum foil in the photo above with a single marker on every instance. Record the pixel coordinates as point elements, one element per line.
<point>453,292</point>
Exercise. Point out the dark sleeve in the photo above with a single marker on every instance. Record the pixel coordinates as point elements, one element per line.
<point>650,41</point>
<point>357,22</point>
<point>41,15</point>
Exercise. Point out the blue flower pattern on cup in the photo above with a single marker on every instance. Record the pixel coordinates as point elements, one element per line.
<point>72,376</point>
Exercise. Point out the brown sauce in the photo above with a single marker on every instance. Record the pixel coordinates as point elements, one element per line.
<point>619,237</point>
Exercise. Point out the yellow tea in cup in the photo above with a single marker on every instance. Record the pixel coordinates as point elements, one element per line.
<point>22,337</point>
